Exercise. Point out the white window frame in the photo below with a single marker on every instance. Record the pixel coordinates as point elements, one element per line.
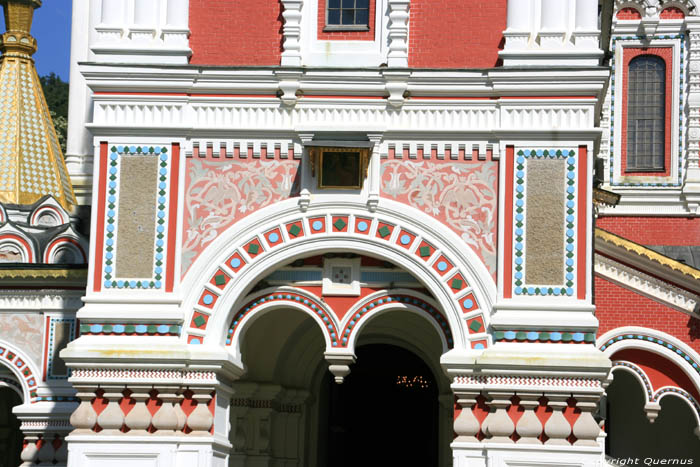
<point>344,53</point>
<point>619,179</point>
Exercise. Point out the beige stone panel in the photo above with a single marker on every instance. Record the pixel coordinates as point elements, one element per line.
<point>544,221</point>
<point>138,185</point>
<point>24,331</point>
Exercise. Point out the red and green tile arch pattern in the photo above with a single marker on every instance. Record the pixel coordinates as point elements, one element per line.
<point>20,367</point>
<point>310,227</point>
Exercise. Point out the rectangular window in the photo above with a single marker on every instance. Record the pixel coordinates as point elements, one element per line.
<point>347,15</point>
<point>646,116</point>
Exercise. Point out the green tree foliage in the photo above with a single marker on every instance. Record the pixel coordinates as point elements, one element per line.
<point>56,92</point>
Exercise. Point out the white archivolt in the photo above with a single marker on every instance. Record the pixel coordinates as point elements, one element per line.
<point>424,227</point>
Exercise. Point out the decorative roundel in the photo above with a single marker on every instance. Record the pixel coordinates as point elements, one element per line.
<point>362,226</point>
<point>405,239</point>
<point>235,263</point>
<point>442,266</point>
<point>424,307</point>
<point>317,225</point>
<point>274,238</point>
<point>285,297</point>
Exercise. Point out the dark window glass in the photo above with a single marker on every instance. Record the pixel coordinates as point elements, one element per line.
<point>347,13</point>
<point>646,113</point>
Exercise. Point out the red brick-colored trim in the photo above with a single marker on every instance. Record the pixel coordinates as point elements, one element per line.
<point>582,234</point>
<point>617,306</point>
<point>235,32</point>
<point>100,224</point>
<point>345,35</point>
<point>629,13</point>
<point>654,230</point>
<point>508,225</point>
<point>172,217</point>
<point>666,54</point>
<point>672,12</point>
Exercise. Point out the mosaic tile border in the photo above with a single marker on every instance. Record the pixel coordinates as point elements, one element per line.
<point>653,340</point>
<point>682,71</point>
<point>22,366</point>
<point>566,289</point>
<point>130,329</point>
<point>380,230</point>
<point>155,282</point>
<point>51,349</point>
<point>364,308</point>
<point>569,337</point>
<point>312,305</point>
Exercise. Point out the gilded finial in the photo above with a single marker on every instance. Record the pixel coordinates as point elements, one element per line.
<point>18,20</point>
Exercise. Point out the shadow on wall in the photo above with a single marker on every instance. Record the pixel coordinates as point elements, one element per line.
<point>630,434</point>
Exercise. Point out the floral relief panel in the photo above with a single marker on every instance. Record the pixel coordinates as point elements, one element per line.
<point>220,193</point>
<point>461,195</point>
<point>24,331</point>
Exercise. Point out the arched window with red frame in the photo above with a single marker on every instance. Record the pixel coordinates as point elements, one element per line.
<point>646,114</point>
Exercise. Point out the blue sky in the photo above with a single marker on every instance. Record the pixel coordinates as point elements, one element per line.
<point>51,28</point>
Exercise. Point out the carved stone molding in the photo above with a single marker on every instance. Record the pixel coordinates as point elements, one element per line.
<point>646,285</point>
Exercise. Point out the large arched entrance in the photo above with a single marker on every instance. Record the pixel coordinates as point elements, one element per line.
<point>386,412</point>
<point>632,434</point>
<point>10,434</point>
<point>288,407</point>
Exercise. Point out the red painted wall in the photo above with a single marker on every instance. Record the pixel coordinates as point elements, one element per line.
<point>654,230</point>
<point>617,307</point>
<point>443,33</point>
<point>235,32</point>
<point>455,33</point>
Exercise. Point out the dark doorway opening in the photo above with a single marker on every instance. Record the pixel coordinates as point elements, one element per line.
<point>385,413</point>
<point>10,435</point>
<point>631,434</point>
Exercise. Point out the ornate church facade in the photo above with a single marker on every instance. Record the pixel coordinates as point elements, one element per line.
<point>332,232</point>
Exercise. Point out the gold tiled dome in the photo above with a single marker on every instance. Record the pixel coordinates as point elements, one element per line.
<point>31,161</point>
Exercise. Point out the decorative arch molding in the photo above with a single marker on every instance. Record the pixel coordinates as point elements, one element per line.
<point>653,8</point>
<point>218,282</point>
<point>24,370</point>
<point>22,243</point>
<point>281,297</point>
<point>377,303</point>
<point>652,399</point>
<point>660,343</point>
<point>63,243</point>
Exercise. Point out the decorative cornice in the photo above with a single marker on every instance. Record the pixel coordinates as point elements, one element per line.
<point>49,277</point>
<point>646,285</point>
<point>528,382</point>
<point>125,375</point>
<point>620,248</point>
<point>58,300</point>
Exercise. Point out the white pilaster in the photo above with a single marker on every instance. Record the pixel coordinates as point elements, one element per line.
<point>291,53</point>
<point>398,33</point>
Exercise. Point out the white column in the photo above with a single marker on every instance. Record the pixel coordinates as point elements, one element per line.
<point>518,17</point>
<point>553,23</point>
<point>145,21</point>
<point>177,14</point>
<point>554,15</point>
<point>145,13</point>
<point>587,15</point>
<point>691,185</point>
<point>519,24</point>
<point>113,12</point>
